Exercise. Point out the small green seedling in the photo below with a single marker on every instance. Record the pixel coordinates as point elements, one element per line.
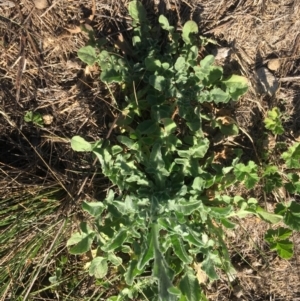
<point>34,117</point>
<point>273,122</point>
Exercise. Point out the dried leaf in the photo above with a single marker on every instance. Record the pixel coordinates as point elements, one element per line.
<point>222,155</point>
<point>226,120</point>
<point>91,17</point>
<point>269,143</point>
<point>77,29</point>
<point>200,274</point>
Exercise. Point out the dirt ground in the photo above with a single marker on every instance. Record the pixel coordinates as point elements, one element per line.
<point>40,72</point>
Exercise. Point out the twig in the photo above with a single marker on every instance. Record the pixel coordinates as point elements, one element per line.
<point>20,68</point>
<point>91,17</point>
<point>289,79</point>
<point>34,47</point>
<point>112,126</point>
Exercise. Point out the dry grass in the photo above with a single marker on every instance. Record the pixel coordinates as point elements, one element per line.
<point>39,71</point>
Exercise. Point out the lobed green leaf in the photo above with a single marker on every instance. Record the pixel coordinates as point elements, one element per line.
<point>179,249</point>
<point>79,144</point>
<point>208,267</point>
<point>187,207</point>
<point>116,241</point>
<point>98,267</point>
<point>292,216</point>
<point>268,217</point>
<point>189,28</point>
<point>236,86</point>
<point>147,127</point>
<point>137,11</point>
<point>131,272</point>
<point>247,174</point>
<point>88,55</point>
<point>93,208</point>
<point>292,156</point>
<point>190,287</point>
<point>147,252</point>
<point>273,122</point>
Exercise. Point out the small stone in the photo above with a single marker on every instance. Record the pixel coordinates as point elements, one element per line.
<point>274,64</point>
<point>40,4</point>
<point>221,53</point>
<point>266,82</point>
<point>48,119</point>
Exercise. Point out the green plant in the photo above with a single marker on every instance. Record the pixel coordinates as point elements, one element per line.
<point>278,240</point>
<point>34,117</point>
<point>273,178</point>
<point>158,219</point>
<point>58,270</point>
<point>273,122</point>
<point>292,156</point>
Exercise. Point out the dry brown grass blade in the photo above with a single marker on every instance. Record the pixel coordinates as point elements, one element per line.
<point>34,47</point>
<point>76,29</point>
<point>20,67</point>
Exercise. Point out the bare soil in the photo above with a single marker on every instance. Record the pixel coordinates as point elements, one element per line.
<point>40,72</point>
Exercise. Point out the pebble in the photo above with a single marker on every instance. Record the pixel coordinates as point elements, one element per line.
<point>40,4</point>
<point>221,53</point>
<point>48,119</point>
<point>274,64</point>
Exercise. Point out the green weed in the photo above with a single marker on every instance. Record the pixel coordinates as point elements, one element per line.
<point>273,122</point>
<point>158,219</point>
<point>34,117</point>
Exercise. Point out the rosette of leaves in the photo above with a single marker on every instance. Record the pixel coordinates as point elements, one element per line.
<point>158,219</point>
